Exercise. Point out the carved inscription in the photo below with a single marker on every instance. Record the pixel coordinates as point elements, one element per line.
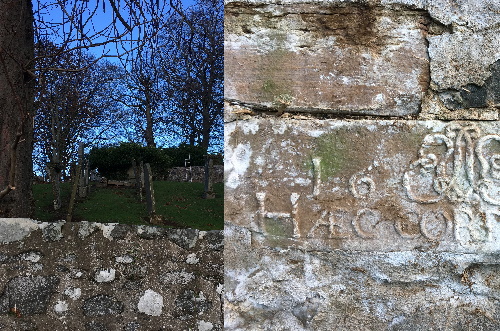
<point>464,171</point>
<point>440,190</point>
<point>453,174</point>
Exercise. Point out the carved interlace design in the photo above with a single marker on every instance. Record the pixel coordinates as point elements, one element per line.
<point>459,166</point>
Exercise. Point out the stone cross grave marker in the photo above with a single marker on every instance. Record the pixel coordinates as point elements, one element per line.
<point>83,180</point>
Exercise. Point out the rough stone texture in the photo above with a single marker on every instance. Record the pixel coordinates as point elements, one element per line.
<point>295,289</point>
<point>461,14</point>
<point>462,58</point>
<point>87,276</point>
<point>102,305</point>
<point>30,295</point>
<point>356,223</point>
<point>356,59</point>
<point>366,185</point>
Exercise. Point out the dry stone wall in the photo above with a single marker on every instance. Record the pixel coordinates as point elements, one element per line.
<point>362,174</point>
<point>195,174</point>
<point>90,276</point>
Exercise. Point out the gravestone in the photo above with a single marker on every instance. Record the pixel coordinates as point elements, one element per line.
<point>139,178</point>
<point>209,169</point>
<point>189,174</point>
<point>83,175</point>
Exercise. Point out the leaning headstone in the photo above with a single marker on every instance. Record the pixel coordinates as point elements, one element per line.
<point>75,184</point>
<point>209,167</point>
<point>87,177</point>
<point>82,190</point>
<point>141,182</point>
<point>150,195</point>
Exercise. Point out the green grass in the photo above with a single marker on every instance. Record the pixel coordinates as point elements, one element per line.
<point>182,203</point>
<point>179,204</point>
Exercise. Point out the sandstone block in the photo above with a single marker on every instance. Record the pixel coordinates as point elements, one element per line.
<point>365,185</point>
<point>331,58</point>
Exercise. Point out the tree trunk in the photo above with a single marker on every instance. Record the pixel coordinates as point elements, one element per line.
<point>55,180</point>
<point>150,141</point>
<point>16,108</point>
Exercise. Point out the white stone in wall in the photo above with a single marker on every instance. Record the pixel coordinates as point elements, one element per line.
<point>124,259</point>
<point>205,326</point>
<point>32,257</point>
<point>151,303</point>
<point>106,229</point>
<point>61,307</point>
<point>192,259</point>
<point>220,288</point>
<point>86,229</point>
<point>105,276</point>
<point>73,293</point>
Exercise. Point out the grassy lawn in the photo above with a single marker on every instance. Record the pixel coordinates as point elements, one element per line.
<point>180,204</point>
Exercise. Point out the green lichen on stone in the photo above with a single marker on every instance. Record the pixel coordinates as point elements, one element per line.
<point>277,227</point>
<point>343,152</point>
<point>273,86</point>
<point>334,154</point>
<point>269,86</point>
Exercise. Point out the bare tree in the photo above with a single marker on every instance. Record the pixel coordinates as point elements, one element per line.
<point>69,103</point>
<point>193,67</point>
<point>142,94</point>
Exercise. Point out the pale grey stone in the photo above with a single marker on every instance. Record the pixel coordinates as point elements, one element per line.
<point>52,231</point>
<point>185,238</point>
<point>15,229</point>
<point>151,303</point>
<point>105,275</point>
<point>463,58</point>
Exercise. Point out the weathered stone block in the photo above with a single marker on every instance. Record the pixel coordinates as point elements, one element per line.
<point>365,185</point>
<point>462,58</point>
<point>355,58</point>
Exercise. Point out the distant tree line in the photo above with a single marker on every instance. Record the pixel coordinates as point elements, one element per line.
<point>113,162</point>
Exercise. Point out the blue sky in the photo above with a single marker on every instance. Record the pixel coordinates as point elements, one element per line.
<point>52,15</point>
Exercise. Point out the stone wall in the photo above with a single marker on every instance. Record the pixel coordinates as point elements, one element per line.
<point>196,173</point>
<point>90,276</point>
<point>362,175</point>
